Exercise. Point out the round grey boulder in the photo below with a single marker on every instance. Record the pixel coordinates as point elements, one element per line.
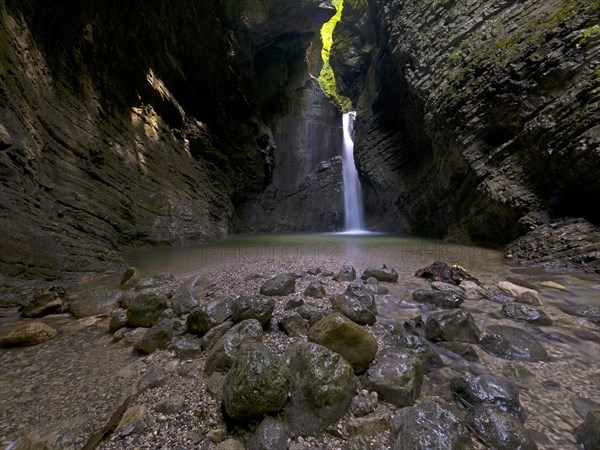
<point>385,274</point>
<point>524,313</point>
<point>159,336</point>
<point>489,389</point>
<point>442,299</point>
<point>209,315</point>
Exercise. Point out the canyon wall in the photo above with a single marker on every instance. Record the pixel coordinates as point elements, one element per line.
<point>477,121</point>
<point>129,123</point>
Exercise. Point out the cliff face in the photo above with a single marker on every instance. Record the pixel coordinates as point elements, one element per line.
<point>128,124</point>
<point>476,121</point>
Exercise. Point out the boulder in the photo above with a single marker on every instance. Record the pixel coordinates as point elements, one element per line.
<point>213,335</point>
<point>452,326</point>
<point>397,376</point>
<point>341,335</point>
<point>184,303</point>
<point>462,349</point>
<point>145,309</point>
<point>322,387</point>
<point>156,281</point>
<point>224,352</point>
<point>294,325</point>
<point>159,336</point>
<point>421,348</point>
<point>524,313</point>
<point>447,287</point>
<point>48,302</point>
<point>270,434</point>
<point>472,289</point>
<point>259,308</point>
<point>29,333</point>
<point>315,290</point>
<point>499,429</point>
<point>443,299</point>
<point>346,274</point>
<point>588,433</point>
<point>209,315</point>
<point>440,271</point>
<point>312,314</point>
<point>357,303</point>
<point>282,284</point>
<point>94,302</point>
<point>171,405</point>
<point>512,343</point>
<point>429,426</point>
<point>186,347</point>
<point>256,384</point>
<point>488,389</point>
<point>590,312</point>
<point>386,274</point>
<point>118,320</point>
<point>528,299</point>
<point>130,278</point>
<point>373,286</point>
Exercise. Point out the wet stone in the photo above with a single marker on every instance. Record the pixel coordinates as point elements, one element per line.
<point>526,313</point>
<point>498,296</point>
<point>488,389</point>
<point>348,273</point>
<point>282,284</point>
<point>512,343</point>
<point>442,299</point>
<point>428,426</point>
<point>499,429</point>
<point>385,274</point>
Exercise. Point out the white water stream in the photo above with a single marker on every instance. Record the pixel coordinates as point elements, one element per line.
<point>354,219</point>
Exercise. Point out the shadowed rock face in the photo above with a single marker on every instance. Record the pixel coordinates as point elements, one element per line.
<point>475,120</point>
<point>129,124</point>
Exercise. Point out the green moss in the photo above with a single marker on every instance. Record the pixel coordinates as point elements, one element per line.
<point>326,77</point>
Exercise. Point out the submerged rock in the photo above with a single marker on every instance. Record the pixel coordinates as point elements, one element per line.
<point>343,336</point>
<point>488,389</point>
<point>423,350</point>
<point>29,333</point>
<point>512,343</point>
<point>443,299</point>
<point>94,302</point>
<point>456,326</point>
<point>499,429</point>
<point>282,284</point>
<point>256,384</point>
<point>498,296</point>
<point>397,376</point>
<point>525,313</point>
<point>323,385</point>
<point>428,426</point>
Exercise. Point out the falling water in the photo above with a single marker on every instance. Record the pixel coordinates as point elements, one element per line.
<point>353,206</point>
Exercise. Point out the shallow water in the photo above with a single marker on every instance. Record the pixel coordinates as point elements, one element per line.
<point>564,388</point>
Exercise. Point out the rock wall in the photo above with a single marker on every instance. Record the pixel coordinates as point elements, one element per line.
<point>306,190</point>
<point>477,120</point>
<point>127,123</point>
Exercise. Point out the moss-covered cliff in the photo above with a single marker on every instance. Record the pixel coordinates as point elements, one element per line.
<point>477,121</point>
<point>127,123</point>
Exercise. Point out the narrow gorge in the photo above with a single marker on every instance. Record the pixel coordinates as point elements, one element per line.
<point>299,224</point>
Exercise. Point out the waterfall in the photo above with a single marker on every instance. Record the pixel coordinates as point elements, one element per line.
<point>354,219</point>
